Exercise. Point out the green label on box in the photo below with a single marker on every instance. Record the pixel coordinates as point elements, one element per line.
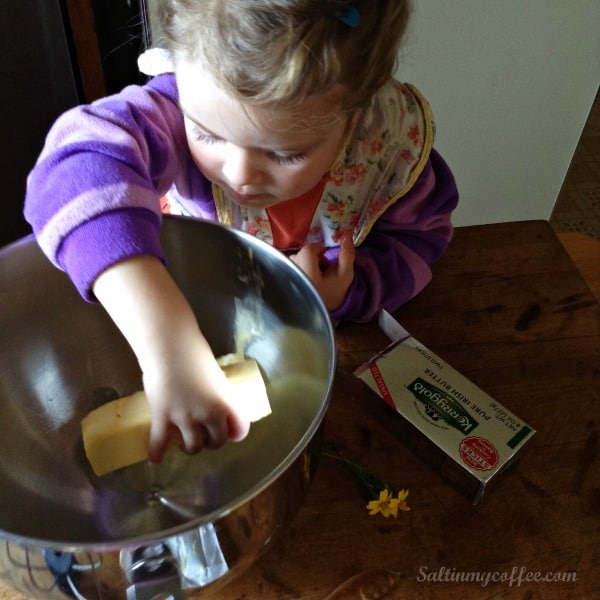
<point>446,407</point>
<point>518,437</point>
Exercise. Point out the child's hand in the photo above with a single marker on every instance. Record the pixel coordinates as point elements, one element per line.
<point>332,280</point>
<point>187,390</point>
<point>188,394</point>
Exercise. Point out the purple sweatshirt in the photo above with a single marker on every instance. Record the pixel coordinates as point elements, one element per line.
<point>93,199</point>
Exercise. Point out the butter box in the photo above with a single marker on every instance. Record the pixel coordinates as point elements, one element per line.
<point>461,431</point>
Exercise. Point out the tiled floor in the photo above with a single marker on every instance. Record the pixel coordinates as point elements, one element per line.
<point>576,215</point>
<point>578,205</point>
<point>584,251</point>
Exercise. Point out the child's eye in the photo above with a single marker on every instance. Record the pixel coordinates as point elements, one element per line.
<point>282,159</point>
<point>200,136</point>
<point>288,159</point>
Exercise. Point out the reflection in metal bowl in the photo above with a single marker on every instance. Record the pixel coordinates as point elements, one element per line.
<point>191,521</point>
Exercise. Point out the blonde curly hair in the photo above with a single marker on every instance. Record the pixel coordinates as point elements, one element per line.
<point>278,53</point>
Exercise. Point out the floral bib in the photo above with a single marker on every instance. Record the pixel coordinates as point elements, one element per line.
<point>382,158</point>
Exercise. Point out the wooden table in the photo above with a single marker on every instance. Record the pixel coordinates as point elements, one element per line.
<point>510,311</point>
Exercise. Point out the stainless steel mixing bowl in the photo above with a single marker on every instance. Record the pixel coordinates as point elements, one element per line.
<point>190,524</point>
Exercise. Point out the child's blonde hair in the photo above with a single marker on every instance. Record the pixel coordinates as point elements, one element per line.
<point>277,53</point>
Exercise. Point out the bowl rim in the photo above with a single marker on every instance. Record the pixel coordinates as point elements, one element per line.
<point>255,490</point>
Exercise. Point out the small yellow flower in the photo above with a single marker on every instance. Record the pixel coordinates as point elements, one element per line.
<point>402,496</point>
<point>387,505</point>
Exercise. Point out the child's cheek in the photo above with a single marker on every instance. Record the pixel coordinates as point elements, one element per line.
<point>208,162</point>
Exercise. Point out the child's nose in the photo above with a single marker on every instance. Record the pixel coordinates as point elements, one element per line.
<point>240,168</point>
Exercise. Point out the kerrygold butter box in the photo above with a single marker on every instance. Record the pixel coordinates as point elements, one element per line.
<point>468,436</point>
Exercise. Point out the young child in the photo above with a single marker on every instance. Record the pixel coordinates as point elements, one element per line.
<point>280,118</point>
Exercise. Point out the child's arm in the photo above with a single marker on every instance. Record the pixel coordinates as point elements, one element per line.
<point>393,264</point>
<point>93,197</point>
<point>186,388</point>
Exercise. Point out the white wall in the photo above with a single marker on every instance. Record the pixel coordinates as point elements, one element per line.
<point>511,83</point>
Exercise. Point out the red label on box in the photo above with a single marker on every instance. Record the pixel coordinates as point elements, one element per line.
<point>478,453</point>
<point>383,388</point>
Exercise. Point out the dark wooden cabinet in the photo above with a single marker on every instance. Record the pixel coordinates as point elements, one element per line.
<point>38,82</point>
<point>55,54</point>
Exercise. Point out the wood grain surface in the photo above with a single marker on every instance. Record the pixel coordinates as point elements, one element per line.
<point>508,309</point>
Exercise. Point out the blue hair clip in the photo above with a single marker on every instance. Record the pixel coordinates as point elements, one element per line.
<point>349,15</point>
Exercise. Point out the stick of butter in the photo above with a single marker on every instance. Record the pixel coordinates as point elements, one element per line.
<point>116,434</point>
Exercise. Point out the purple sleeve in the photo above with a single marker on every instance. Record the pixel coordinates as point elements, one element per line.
<point>394,262</point>
<point>93,197</point>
